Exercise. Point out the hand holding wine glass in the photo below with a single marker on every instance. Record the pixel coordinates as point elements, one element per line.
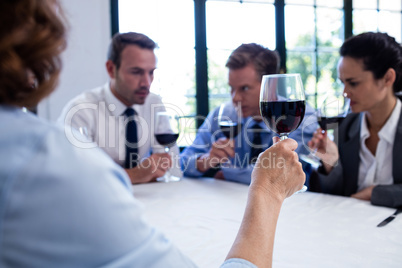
<point>333,110</point>
<point>229,119</point>
<point>167,129</point>
<point>282,104</point>
<point>330,115</point>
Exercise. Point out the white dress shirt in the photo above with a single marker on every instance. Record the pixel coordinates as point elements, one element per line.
<point>377,169</point>
<point>100,113</point>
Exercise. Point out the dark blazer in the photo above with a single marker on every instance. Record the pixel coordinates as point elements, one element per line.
<point>343,179</point>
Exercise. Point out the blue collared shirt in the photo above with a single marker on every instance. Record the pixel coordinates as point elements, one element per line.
<point>239,170</point>
<point>63,206</point>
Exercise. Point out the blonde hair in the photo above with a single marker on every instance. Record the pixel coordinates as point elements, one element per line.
<point>32,36</point>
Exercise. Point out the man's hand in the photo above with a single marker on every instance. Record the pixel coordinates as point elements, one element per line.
<point>219,175</point>
<point>222,150</point>
<point>150,168</point>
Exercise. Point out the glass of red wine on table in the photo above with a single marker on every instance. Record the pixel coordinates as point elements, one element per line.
<point>330,115</point>
<point>167,129</point>
<point>282,104</point>
<point>229,120</point>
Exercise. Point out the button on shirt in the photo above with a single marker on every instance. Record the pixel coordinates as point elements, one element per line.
<point>376,170</point>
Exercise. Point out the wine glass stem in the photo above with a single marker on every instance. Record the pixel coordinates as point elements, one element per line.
<point>167,174</point>
<point>283,136</point>
<point>314,151</point>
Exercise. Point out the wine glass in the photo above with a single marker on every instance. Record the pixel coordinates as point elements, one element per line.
<point>229,120</point>
<point>333,110</point>
<point>282,104</point>
<point>330,115</point>
<point>167,128</point>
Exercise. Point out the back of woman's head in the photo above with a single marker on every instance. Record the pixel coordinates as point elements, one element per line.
<point>379,52</point>
<point>32,36</point>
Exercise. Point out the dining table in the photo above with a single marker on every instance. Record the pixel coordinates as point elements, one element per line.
<point>201,216</point>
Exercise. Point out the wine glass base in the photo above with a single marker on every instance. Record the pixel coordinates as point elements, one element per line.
<point>302,190</point>
<point>168,179</point>
<point>312,160</point>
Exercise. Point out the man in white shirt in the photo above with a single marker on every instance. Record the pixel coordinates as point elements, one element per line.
<point>106,113</point>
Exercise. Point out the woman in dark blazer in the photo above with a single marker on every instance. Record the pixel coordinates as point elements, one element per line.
<point>368,163</point>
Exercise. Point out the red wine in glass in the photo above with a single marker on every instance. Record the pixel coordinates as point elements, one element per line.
<point>167,140</point>
<point>229,117</point>
<point>330,115</point>
<point>333,110</point>
<point>282,104</point>
<point>230,129</point>
<point>283,117</point>
<point>167,129</point>
<point>324,121</point>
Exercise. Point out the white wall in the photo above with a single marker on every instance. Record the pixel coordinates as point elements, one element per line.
<point>85,56</point>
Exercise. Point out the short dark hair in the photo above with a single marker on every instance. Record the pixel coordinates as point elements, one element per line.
<point>264,60</point>
<point>379,52</point>
<point>121,40</point>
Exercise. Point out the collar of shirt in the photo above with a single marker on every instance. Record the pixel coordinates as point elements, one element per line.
<point>116,107</point>
<point>388,131</point>
<point>249,122</point>
<point>374,170</point>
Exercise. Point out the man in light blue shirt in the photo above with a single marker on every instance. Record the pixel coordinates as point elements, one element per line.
<point>210,151</point>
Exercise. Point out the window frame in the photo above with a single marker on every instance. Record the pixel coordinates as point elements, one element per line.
<point>201,63</point>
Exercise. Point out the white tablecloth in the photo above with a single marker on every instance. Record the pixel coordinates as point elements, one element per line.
<point>202,216</point>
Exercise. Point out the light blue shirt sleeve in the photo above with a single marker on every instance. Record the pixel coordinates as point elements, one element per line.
<point>242,175</point>
<point>237,263</point>
<point>62,206</point>
<point>207,133</point>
